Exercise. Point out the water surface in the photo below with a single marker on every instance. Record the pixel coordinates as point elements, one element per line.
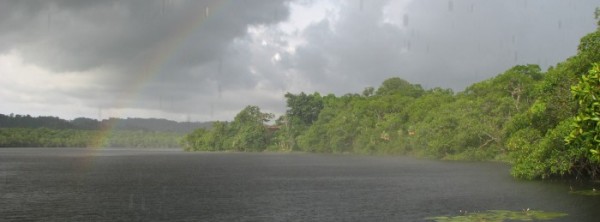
<point>157,185</point>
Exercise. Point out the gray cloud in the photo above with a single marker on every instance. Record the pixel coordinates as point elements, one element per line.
<point>439,43</point>
<point>179,48</point>
<point>209,59</point>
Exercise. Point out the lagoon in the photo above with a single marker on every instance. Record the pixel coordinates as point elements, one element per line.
<point>70,184</point>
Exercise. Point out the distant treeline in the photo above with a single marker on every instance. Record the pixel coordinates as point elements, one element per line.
<point>156,125</point>
<point>48,131</point>
<point>45,137</point>
<point>545,123</point>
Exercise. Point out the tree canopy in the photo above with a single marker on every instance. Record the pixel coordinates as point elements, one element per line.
<point>546,124</point>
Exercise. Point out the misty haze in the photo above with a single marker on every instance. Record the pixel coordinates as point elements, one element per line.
<point>299,110</point>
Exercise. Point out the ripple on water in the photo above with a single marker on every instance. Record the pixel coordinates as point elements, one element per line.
<point>140,185</point>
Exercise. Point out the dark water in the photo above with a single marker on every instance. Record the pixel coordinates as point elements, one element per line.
<point>159,185</point>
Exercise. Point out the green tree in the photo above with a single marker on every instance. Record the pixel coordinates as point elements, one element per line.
<point>586,128</point>
<point>369,91</point>
<point>401,86</point>
<point>303,110</point>
<point>303,107</point>
<point>250,133</point>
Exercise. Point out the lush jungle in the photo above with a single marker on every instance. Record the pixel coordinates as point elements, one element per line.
<point>546,123</point>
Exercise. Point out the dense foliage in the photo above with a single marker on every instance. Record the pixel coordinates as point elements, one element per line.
<point>48,131</point>
<point>247,132</point>
<point>131,124</point>
<point>45,137</point>
<point>585,134</point>
<point>397,118</point>
<point>545,123</point>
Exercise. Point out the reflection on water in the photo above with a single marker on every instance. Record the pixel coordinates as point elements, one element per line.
<point>152,185</point>
<point>500,215</point>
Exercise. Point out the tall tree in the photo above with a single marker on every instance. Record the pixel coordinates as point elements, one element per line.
<point>586,131</point>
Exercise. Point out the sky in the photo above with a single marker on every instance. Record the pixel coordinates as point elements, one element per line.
<point>203,60</point>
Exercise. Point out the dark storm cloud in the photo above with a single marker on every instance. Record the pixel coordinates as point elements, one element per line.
<point>351,51</point>
<point>80,35</point>
<point>477,40</point>
<point>180,48</point>
<point>212,58</point>
<point>439,43</point>
<point>126,36</point>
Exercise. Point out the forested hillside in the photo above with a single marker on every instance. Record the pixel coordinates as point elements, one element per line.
<point>545,123</point>
<point>47,131</point>
<point>45,137</point>
<point>157,125</point>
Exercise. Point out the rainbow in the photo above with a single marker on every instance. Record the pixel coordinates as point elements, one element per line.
<point>152,67</point>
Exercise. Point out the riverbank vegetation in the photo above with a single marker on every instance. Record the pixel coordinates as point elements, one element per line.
<point>45,137</point>
<point>500,215</point>
<point>545,123</point>
<point>47,131</point>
